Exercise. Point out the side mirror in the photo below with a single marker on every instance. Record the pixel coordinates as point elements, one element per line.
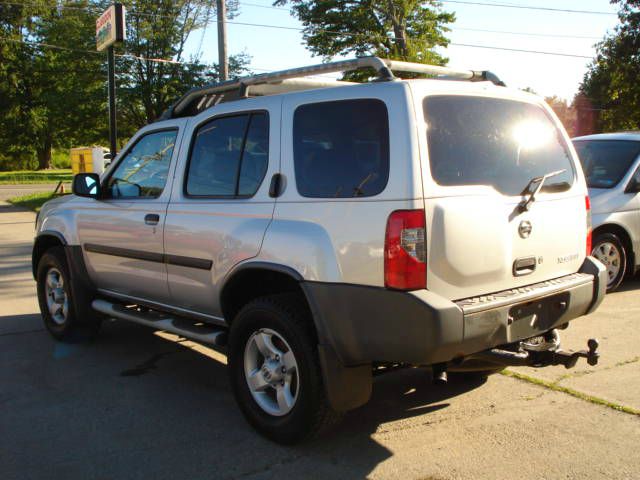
<point>633,186</point>
<point>86,185</point>
<point>108,156</point>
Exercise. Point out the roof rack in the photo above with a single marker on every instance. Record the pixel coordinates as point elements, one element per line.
<point>201,98</point>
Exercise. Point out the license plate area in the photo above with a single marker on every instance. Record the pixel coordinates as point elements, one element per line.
<point>537,316</point>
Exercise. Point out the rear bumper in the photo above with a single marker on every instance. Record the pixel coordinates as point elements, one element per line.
<point>369,324</point>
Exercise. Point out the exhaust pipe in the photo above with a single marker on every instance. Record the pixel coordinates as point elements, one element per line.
<point>439,373</point>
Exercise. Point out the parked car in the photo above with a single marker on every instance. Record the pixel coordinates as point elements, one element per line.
<point>611,163</point>
<point>320,232</point>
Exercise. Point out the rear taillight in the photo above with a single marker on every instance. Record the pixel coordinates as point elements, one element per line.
<point>588,205</point>
<point>405,251</point>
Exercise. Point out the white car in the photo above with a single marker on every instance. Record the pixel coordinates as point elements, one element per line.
<point>611,163</point>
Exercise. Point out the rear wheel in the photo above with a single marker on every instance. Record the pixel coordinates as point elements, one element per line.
<point>608,248</point>
<point>275,371</point>
<point>56,299</point>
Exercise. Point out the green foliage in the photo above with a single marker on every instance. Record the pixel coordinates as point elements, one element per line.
<point>160,29</point>
<point>31,177</point>
<point>611,83</point>
<point>32,201</point>
<point>398,29</point>
<point>56,98</point>
<point>52,97</point>
<point>61,159</point>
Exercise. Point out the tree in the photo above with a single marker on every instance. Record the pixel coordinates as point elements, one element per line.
<point>398,29</point>
<point>610,86</point>
<point>53,83</point>
<point>566,113</point>
<point>51,97</point>
<point>160,30</point>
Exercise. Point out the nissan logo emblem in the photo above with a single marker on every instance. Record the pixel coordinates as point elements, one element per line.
<point>525,228</point>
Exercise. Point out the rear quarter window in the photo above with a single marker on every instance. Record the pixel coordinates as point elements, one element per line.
<point>341,149</point>
<point>495,142</point>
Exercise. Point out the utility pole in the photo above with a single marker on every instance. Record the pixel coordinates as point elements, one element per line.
<point>110,30</point>
<point>113,128</point>
<point>223,66</point>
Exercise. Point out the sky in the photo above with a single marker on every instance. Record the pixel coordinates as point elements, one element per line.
<point>275,48</point>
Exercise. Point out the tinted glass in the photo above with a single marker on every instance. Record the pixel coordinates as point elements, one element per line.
<point>605,162</point>
<point>144,169</point>
<point>494,142</point>
<point>215,157</point>
<point>341,149</point>
<point>255,157</point>
<point>229,156</point>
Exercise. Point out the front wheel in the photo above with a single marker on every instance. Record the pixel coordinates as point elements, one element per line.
<point>56,300</point>
<point>609,250</point>
<point>275,371</point>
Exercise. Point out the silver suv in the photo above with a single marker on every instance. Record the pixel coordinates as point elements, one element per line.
<point>611,163</point>
<point>321,231</point>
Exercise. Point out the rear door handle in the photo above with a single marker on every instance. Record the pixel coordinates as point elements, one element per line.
<point>151,218</point>
<point>524,266</point>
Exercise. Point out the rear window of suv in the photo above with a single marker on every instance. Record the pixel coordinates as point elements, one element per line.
<point>341,149</point>
<point>495,142</point>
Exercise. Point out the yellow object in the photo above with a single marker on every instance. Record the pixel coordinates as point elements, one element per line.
<point>87,160</point>
<point>81,160</point>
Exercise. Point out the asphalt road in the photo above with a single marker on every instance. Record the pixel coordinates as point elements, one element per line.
<point>140,404</point>
<point>9,191</point>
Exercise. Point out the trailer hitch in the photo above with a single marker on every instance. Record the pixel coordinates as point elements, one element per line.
<point>568,358</point>
<point>539,351</point>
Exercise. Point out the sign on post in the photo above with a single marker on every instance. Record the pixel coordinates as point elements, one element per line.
<point>110,27</point>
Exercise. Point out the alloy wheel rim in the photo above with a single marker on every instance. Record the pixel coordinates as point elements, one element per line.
<point>271,372</point>
<point>56,296</point>
<point>610,256</point>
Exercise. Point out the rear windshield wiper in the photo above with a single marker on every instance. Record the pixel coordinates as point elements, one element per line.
<point>525,205</point>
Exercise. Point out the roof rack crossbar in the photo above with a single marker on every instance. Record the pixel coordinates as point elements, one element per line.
<point>383,68</point>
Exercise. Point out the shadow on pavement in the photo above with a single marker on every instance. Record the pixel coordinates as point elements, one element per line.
<point>629,284</point>
<point>134,405</point>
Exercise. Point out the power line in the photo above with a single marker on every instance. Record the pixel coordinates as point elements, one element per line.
<point>93,52</point>
<point>257,5</point>
<point>490,47</point>
<point>331,32</point>
<point>527,7</point>
<point>283,27</point>
<point>487,4</point>
<point>526,34</point>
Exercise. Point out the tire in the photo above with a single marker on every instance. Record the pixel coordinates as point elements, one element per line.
<point>271,333</point>
<point>57,297</point>
<point>608,248</point>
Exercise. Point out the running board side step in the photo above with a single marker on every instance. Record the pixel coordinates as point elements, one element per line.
<point>191,329</point>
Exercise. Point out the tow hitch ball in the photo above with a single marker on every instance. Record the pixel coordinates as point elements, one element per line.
<point>538,351</point>
<point>569,359</point>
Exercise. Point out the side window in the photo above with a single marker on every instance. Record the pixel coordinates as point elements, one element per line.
<point>229,156</point>
<point>143,171</point>
<point>256,155</point>
<point>341,149</point>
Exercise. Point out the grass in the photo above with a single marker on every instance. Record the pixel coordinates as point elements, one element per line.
<point>35,176</point>
<point>570,391</point>
<point>32,201</point>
